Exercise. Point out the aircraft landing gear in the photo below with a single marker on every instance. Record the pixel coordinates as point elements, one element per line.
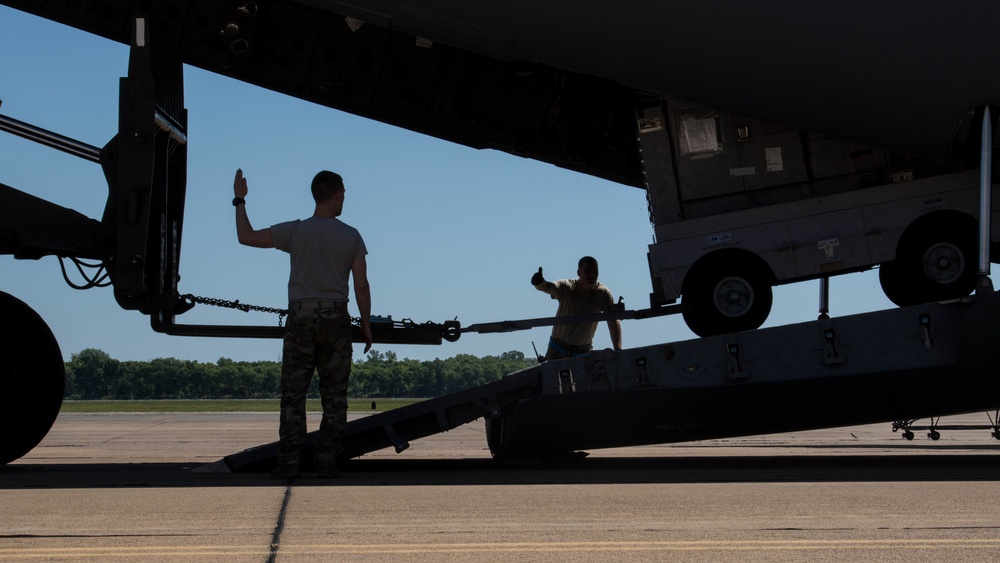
<point>935,425</point>
<point>907,427</point>
<point>32,378</point>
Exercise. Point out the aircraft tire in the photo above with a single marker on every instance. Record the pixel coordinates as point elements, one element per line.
<point>958,278</point>
<point>727,293</point>
<point>893,279</point>
<point>32,378</point>
<point>498,431</point>
<point>934,262</point>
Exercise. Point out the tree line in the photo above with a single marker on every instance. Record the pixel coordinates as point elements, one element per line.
<point>94,374</point>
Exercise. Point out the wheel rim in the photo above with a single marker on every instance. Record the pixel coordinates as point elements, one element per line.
<point>733,297</point>
<point>944,263</point>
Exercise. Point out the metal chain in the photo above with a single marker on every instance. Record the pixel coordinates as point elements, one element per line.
<point>449,331</point>
<point>236,305</point>
<point>282,313</point>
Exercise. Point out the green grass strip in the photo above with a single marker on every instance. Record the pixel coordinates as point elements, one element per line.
<point>223,405</point>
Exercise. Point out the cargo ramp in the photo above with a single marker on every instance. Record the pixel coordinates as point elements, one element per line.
<point>929,360</point>
<point>397,427</point>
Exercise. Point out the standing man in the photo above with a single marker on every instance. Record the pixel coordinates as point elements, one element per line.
<point>324,253</point>
<point>582,296</point>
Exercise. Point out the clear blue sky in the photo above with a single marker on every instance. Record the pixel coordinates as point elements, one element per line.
<point>452,232</point>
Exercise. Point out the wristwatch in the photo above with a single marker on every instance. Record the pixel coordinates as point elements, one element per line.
<point>239,201</point>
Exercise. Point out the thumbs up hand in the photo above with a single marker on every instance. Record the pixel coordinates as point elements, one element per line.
<point>537,277</point>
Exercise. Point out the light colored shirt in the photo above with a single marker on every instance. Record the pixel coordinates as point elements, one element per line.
<point>321,252</point>
<point>575,300</point>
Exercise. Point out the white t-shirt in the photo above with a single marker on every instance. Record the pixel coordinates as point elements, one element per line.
<point>321,250</point>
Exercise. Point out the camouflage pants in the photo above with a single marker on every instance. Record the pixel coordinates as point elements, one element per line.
<point>317,340</point>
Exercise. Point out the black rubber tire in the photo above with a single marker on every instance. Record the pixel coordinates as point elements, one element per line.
<point>727,293</point>
<point>498,433</point>
<point>32,378</point>
<point>936,261</point>
<point>892,277</point>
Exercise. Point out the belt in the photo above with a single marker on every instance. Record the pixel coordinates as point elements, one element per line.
<point>567,349</point>
<point>317,304</point>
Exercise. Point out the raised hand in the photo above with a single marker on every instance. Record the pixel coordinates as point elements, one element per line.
<point>240,184</point>
<point>537,278</point>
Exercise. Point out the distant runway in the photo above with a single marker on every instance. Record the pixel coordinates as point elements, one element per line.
<point>122,487</point>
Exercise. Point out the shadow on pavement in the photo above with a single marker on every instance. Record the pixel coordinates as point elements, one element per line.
<point>593,470</point>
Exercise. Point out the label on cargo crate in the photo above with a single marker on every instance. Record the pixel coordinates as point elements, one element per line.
<point>774,161</point>
<point>828,246</point>
<point>650,124</point>
<point>699,136</point>
<point>745,171</point>
<point>720,238</point>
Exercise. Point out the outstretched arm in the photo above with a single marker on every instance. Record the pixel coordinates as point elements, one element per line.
<point>363,295</point>
<point>245,232</point>
<point>541,285</point>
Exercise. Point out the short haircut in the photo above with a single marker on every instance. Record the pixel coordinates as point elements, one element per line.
<point>587,260</point>
<point>326,184</point>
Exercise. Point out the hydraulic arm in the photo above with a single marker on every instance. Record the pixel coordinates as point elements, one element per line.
<point>31,227</point>
<point>138,239</point>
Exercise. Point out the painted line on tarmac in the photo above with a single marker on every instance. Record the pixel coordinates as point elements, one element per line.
<point>681,545</point>
<point>9,554</point>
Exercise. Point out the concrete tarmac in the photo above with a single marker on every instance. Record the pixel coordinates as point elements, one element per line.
<point>124,487</point>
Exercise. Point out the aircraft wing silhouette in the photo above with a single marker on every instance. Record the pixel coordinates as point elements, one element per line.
<point>559,81</point>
